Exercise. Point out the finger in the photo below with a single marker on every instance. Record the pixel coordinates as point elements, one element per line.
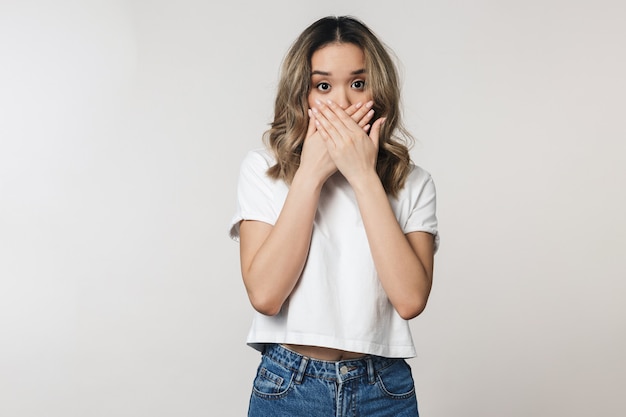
<point>326,137</point>
<point>336,116</point>
<point>366,111</point>
<point>360,112</point>
<point>325,127</point>
<point>311,127</point>
<point>366,119</point>
<point>375,131</point>
<point>362,116</point>
<point>353,109</point>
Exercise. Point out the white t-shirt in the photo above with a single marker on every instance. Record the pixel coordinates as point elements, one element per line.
<point>338,302</point>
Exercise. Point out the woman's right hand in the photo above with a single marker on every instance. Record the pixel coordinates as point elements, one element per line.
<point>315,160</point>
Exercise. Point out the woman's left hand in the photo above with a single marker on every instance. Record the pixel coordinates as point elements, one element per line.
<point>349,145</point>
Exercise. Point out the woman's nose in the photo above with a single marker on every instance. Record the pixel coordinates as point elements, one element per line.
<point>341,98</point>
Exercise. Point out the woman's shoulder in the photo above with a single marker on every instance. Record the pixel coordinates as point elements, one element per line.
<point>417,175</point>
<point>417,185</point>
<point>258,160</point>
<point>259,157</point>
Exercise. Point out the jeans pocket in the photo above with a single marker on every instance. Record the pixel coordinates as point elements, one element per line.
<point>396,381</point>
<point>272,380</point>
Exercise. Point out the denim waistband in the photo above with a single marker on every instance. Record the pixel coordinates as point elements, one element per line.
<point>331,370</point>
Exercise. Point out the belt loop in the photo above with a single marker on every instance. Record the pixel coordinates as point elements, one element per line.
<point>371,375</point>
<point>300,374</point>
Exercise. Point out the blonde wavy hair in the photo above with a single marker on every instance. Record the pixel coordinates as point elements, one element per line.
<point>288,130</point>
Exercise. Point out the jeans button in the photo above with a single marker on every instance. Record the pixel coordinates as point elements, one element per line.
<point>343,370</point>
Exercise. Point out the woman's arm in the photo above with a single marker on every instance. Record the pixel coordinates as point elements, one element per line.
<point>272,257</point>
<point>404,263</point>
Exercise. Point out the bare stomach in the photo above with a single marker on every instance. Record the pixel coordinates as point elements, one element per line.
<point>324,353</point>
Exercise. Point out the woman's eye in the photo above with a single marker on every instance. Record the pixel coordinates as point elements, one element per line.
<point>359,85</point>
<point>323,86</point>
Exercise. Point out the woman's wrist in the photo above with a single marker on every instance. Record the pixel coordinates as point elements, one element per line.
<point>366,182</point>
<point>307,180</point>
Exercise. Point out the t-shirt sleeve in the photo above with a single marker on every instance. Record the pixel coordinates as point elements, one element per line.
<point>423,215</point>
<point>255,193</point>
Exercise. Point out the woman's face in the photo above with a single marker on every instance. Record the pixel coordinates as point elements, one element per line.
<point>338,74</point>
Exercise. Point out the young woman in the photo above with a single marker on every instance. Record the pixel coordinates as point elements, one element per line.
<point>337,230</point>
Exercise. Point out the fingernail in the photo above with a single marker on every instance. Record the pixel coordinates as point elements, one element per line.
<point>358,105</point>
<point>369,104</point>
<point>330,102</point>
<point>310,113</point>
<point>318,102</point>
<point>315,110</point>
<point>370,113</point>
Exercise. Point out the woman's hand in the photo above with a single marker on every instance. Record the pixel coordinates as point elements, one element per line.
<point>351,149</point>
<point>404,263</point>
<point>315,158</point>
<point>269,272</point>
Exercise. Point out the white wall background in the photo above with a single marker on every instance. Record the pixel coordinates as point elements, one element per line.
<point>122,126</point>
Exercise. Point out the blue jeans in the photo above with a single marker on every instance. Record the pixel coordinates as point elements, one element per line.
<point>288,384</point>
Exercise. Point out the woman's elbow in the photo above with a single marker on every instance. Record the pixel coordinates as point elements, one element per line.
<point>262,298</point>
<point>265,305</point>
<point>409,311</point>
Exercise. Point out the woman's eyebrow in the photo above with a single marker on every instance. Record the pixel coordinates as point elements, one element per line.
<point>325,73</point>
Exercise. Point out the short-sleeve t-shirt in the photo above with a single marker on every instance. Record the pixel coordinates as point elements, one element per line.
<point>338,301</point>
